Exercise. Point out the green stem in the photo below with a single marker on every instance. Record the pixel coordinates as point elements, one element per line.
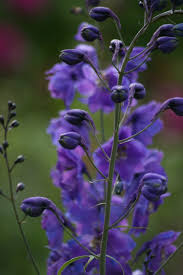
<point>99,76</point>
<point>91,161</point>
<point>129,210</point>
<point>138,133</point>
<point>70,234</point>
<point>169,258</point>
<point>102,125</point>
<point>14,206</point>
<point>109,192</point>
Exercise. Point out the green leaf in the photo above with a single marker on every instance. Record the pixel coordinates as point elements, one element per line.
<point>66,264</point>
<point>116,262</point>
<point>91,258</point>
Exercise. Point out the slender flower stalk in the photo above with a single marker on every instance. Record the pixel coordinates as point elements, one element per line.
<point>12,199</point>
<point>109,192</point>
<point>70,234</point>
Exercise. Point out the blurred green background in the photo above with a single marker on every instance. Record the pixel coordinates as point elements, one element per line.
<point>32,32</point>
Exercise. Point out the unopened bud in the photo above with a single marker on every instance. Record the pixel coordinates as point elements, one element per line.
<point>11,105</point>
<point>138,89</point>
<point>20,187</point>
<point>119,94</point>
<point>70,140</point>
<point>73,56</point>
<point>14,124</point>
<point>90,33</point>
<point>19,159</point>
<point>1,149</point>
<point>102,13</point>
<point>35,206</point>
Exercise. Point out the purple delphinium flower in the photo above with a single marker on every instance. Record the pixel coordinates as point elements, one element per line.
<point>130,156</point>
<point>65,80</point>
<point>144,208</point>
<point>138,121</point>
<point>67,174</point>
<point>100,98</point>
<point>158,250</point>
<point>59,126</point>
<point>132,64</point>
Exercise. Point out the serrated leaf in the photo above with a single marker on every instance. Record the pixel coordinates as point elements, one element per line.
<point>66,264</point>
<point>91,258</point>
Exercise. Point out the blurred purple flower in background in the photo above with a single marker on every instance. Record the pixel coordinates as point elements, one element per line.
<point>13,48</point>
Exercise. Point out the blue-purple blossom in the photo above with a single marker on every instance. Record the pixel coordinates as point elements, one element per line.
<point>154,185</point>
<point>158,250</point>
<point>138,121</point>
<point>65,80</point>
<point>130,156</point>
<point>60,125</point>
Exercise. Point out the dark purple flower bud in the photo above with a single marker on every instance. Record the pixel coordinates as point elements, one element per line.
<point>19,159</point>
<point>166,44</point>
<point>178,29</point>
<point>118,188</point>
<point>175,104</point>
<point>1,149</point>
<point>119,94</point>
<point>14,124</point>
<point>102,13</point>
<point>20,187</point>
<point>139,90</point>
<point>73,56</point>
<point>2,120</point>
<point>77,116</point>
<point>163,30</point>
<point>11,105</point>
<point>35,206</point>
<point>70,140</point>
<point>154,185</point>
<point>90,33</point>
